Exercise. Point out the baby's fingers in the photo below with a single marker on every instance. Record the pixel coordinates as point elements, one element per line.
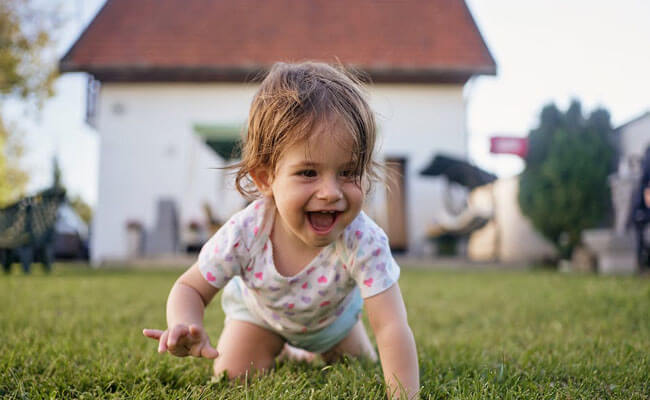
<point>196,332</point>
<point>160,336</point>
<point>176,333</point>
<point>207,351</point>
<point>154,334</point>
<point>162,344</point>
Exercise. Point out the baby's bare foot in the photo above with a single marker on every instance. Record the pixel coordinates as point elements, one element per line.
<point>295,354</point>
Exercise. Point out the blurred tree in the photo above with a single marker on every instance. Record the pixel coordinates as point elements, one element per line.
<point>56,173</point>
<point>77,203</point>
<point>27,72</point>
<point>82,208</point>
<point>12,178</point>
<point>563,188</point>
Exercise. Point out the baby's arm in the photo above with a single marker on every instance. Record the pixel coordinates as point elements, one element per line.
<point>185,334</point>
<point>395,341</point>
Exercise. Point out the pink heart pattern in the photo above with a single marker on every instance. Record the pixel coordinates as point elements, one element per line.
<point>318,299</point>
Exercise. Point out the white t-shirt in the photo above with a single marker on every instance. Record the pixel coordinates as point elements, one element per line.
<point>315,296</point>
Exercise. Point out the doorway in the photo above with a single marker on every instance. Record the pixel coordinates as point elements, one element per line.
<point>396,204</point>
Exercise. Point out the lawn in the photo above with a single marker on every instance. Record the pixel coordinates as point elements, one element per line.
<point>480,334</point>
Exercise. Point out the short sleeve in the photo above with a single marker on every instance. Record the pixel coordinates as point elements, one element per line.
<point>371,262</point>
<point>224,255</point>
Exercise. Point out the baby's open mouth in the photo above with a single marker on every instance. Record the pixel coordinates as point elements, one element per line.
<point>322,221</point>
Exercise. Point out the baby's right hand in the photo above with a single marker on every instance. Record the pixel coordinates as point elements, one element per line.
<point>183,341</point>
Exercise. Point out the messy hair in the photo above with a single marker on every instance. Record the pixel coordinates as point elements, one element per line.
<point>291,101</point>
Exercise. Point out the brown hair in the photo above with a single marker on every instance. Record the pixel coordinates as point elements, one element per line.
<point>291,101</point>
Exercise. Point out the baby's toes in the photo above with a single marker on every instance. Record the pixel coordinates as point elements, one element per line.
<point>295,354</point>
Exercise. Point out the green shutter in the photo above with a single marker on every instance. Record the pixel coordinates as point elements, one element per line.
<point>222,138</point>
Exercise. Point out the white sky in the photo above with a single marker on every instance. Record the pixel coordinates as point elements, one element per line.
<point>546,50</point>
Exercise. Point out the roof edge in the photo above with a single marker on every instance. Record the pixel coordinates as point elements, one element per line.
<point>255,73</point>
<point>475,26</point>
<point>68,54</point>
<point>632,121</point>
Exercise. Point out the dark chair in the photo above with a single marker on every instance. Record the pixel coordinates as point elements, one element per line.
<point>27,230</point>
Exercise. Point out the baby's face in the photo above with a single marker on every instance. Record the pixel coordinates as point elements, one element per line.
<point>315,189</point>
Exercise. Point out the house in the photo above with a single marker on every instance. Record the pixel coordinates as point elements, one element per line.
<point>509,237</point>
<point>177,77</point>
<point>617,250</point>
<point>633,138</point>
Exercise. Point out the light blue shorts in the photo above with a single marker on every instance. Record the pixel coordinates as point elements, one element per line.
<point>317,342</point>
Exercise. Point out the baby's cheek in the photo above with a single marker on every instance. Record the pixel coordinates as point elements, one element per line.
<point>355,198</point>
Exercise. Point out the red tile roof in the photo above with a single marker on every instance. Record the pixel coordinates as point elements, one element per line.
<point>392,40</point>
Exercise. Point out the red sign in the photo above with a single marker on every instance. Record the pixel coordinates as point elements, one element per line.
<point>509,145</point>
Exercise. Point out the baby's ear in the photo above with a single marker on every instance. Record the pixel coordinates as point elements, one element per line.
<point>262,179</point>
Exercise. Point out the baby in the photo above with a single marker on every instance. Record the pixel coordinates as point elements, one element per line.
<point>299,263</point>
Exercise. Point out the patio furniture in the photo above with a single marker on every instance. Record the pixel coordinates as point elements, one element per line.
<point>27,230</point>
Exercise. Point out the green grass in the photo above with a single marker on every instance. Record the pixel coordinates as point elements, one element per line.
<point>494,334</point>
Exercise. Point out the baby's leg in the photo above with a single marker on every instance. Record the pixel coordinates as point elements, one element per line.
<point>245,347</point>
<point>355,344</point>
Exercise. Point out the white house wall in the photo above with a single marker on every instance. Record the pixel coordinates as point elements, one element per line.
<point>416,122</point>
<point>635,138</point>
<point>148,151</point>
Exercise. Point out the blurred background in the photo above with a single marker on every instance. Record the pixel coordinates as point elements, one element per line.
<point>518,128</point>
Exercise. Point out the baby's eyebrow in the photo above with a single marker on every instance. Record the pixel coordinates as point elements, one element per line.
<point>312,164</point>
<point>304,164</point>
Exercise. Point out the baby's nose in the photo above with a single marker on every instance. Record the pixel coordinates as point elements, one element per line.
<point>330,190</point>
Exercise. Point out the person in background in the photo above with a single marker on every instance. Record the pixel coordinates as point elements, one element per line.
<point>640,215</point>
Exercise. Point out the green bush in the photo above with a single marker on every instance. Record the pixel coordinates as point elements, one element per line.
<point>563,188</point>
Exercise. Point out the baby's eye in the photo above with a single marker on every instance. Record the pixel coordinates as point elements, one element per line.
<point>307,173</point>
<point>348,173</point>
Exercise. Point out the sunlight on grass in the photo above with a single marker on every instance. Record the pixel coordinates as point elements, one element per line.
<point>493,334</point>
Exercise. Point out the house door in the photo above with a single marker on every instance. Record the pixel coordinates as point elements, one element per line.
<point>396,203</point>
